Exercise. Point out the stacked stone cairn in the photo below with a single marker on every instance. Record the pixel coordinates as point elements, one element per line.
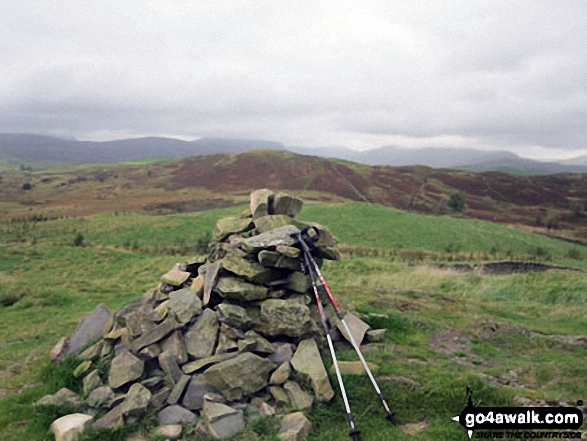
<point>224,338</point>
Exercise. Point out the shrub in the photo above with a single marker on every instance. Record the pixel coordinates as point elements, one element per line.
<point>456,202</point>
<point>78,240</point>
<point>202,242</point>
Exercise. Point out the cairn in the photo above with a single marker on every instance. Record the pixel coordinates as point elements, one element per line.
<point>224,338</point>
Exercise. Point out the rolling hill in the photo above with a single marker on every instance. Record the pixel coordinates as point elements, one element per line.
<point>222,179</point>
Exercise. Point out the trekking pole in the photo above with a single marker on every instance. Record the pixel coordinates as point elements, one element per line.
<point>306,249</point>
<point>354,433</point>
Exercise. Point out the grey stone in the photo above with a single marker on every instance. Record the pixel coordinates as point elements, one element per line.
<point>274,259</point>
<point>178,389</point>
<point>283,352</point>
<point>101,397</point>
<point>202,363</point>
<point>286,204</point>
<point>281,374</point>
<point>169,365</point>
<point>256,343</point>
<point>197,389</point>
<point>93,352</point>
<point>278,317</point>
<point>298,282</point>
<point>270,222</point>
<point>376,335</point>
<point>62,398</point>
<point>260,202</point>
<point>210,273</point>
<point>225,344</point>
<point>291,252</point>
<point>357,327</point>
<point>222,421</point>
<point>294,427</point>
<point>124,369</point>
<point>112,420</point>
<point>169,431</point>
<point>308,362</point>
<point>234,315</point>
<point>176,415</point>
<point>175,346</point>
<point>159,398</point>
<point>245,374</point>
<point>200,339</point>
<point>151,351</point>
<point>175,277</point>
<point>230,225</point>
<point>185,304</point>
<point>299,398</point>
<point>279,395</point>
<point>273,238</point>
<point>247,269</point>
<point>155,335</point>
<point>71,427</point>
<point>89,330</point>
<point>233,288</point>
<point>91,381</point>
<point>266,410</point>
<point>136,401</point>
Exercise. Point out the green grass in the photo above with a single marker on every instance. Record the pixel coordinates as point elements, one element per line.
<point>47,285</point>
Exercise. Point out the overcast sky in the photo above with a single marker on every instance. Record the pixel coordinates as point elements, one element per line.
<point>484,74</point>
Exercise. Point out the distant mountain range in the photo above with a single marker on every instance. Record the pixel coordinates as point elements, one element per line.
<point>38,148</point>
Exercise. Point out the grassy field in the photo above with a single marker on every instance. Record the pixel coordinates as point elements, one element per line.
<point>439,322</point>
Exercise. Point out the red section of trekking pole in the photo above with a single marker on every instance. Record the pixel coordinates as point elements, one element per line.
<point>308,256</point>
<point>354,433</point>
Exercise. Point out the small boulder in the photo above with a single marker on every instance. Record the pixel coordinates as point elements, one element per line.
<point>71,427</point>
<point>308,362</point>
<point>101,398</point>
<point>175,277</point>
<point>294,427</point>
<point>176,415</point>
<point>286,204</point>
<point>169,431</point>
<point>299,398</point>
<point>222,421</point>
<point>62,398</point>
<point>136,401</point>
<point>260,202</point>
<point>230,225</point>
<point>185,304</point>
<point>124,368</point>
<point>200,339</point>
<point>233,288</point>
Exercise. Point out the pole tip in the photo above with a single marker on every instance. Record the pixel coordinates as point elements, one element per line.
<point>391,417</point>
<point>355,435</point>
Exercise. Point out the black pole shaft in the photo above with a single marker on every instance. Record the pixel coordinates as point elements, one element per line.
<point>308,256</point>
<point>354,432</point>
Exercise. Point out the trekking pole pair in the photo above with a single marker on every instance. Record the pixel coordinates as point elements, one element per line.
<point>306,242</point>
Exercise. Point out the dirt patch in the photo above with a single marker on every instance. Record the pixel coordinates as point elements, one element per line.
<point>513,378</point>
<point>456,345</point>
<point>507,267</point>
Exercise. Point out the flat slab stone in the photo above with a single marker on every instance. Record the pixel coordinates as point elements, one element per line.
<point>176,415</point>
<point>124,368</point>
<point>175,277</point>
<point>308,362</point>
<point>273,238</point>
<point>88,331</point>
<point>259,204</point>
<point>156,334</point>
<point>283,317</point>
<point>243,375</point>
<point>230,225</point>
<point>298,398</point>
<point>286,204</point>
<point>234,315</point>
<point>270,222</point>
<point>136,401</point>
<point>222,421</point>
<point>210,273</point>
<point>185,304</point>
<point>355,367</point>
<point>200,339</point>
<point>197,389</point>
<point>294,427</point>
<point>234,288</point>
<point>71,427</point>
<point>357,327</point>
<point>250,270</point>
<point>202,363</point>
<point>112,420</point>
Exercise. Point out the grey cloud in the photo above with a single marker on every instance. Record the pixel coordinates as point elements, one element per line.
<point>497,72</point>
